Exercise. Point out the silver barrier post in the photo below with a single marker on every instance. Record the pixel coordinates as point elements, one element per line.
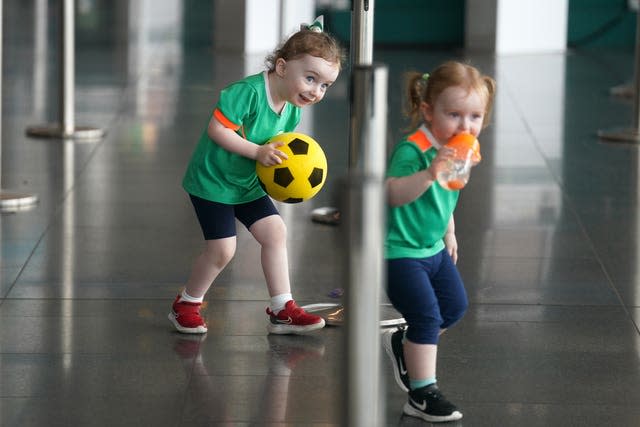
<point>362,32</point>
<point>10,200</point>
<point>365,222</point>
<point>361,54</point>
<point>67,128</point>
<point>629,134</point>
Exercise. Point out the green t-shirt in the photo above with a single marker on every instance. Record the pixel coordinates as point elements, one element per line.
<point>221,176</point>
<point>416,229</point>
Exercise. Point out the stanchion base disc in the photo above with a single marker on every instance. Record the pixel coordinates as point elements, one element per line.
<point>11,201</point>
<point>333,314</point>
<point>627,135</point>
<point>328,216</point>
<point>81,133</point>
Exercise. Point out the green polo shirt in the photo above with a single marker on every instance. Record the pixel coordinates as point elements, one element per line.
<point>221,176</point>
<point>416,229</point>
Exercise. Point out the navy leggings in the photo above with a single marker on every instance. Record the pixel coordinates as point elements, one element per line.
<point>429,294</point>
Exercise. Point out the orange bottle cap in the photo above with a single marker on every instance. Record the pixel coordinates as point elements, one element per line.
<point>465,141</point>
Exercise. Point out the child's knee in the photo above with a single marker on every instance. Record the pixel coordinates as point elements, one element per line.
<point>454,313</point>
<point>219,254</point>
<point>423,329</point>
<point>270,231</point>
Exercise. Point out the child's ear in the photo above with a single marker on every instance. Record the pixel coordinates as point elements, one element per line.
<point>426,111</point>
<point>280,67</point>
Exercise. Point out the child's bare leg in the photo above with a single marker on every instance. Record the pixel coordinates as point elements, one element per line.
<point>209,264</point>
<point>420,360</point>
<point>271,233</point>
<point>285,317</point>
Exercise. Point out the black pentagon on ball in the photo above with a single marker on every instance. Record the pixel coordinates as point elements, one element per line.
<point>315,178</point>
<point>283,177</point>
<point>293,200</point>
<point>299,146</point>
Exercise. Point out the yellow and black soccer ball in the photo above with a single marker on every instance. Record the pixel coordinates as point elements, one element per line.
<point>301,176</point>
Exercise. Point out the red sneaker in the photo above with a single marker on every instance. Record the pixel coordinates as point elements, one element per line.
<point>293,320</point>
<point>185,316</point>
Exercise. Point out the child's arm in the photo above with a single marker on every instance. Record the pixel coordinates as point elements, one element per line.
<point>450,241</point>
<point>405,189</point>
<point>267,154</point>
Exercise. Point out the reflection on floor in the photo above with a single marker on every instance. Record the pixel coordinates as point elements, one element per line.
<point>548,228</point>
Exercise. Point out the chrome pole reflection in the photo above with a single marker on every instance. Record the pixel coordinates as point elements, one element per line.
<point>10,200</point>
<point>67,254</point>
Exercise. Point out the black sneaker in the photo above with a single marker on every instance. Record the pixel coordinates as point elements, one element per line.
<point>392,342</point>
<point>430,405</point>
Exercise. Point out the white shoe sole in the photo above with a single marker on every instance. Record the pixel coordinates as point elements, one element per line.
<point>283,329</point>
<point>197,330</point>
<point>413,412</point>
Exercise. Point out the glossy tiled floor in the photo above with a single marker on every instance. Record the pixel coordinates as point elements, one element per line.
<point>548,227</point>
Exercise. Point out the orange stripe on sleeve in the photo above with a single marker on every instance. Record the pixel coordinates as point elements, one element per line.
<point>225,122</point>
<point>420,139</point>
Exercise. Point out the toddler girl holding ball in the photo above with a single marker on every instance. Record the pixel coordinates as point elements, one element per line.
<point>221,176</point>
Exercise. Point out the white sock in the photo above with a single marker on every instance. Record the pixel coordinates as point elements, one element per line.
<point>277,302</point>
<point>184,296</point>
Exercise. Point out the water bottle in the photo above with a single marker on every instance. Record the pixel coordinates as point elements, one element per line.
<point>466,155</point>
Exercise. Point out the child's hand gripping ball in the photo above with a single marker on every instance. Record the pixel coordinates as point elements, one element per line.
<point>301,176</point>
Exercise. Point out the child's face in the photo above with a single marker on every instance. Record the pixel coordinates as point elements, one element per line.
<point>306,79</point>
<point>456,110</point>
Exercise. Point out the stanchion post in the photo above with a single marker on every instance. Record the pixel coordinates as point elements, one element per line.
<point>365,221</point>
<point>67,128</point>
<point>361,53</point>
<point>10,200</point>
<point>67,59</point>
<point>632,134</point>
<point>362,32</point>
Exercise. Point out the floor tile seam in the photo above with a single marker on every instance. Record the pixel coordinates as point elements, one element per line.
<point>615,358</point>
<point>541,258</point>
<point>507,304</point>
<point>599,259</point>
<point>57,211</point>
<point>572,207</point>
<point>110,359</point>
<point>476,403</point>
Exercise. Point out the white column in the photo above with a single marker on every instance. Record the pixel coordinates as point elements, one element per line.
<point>258,26</point>
<point>513,27</point>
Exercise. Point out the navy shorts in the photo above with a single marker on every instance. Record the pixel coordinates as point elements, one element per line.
<point>429,294</point>
<point>217,220</point>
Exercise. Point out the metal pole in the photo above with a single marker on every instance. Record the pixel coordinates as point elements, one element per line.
<point>629,134</point>
<point>365,221</point>
<point>10,200</point>
<point>362,32</point>
<point>67,54</point>
<point>361,54</point>
<point>66,128</point>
